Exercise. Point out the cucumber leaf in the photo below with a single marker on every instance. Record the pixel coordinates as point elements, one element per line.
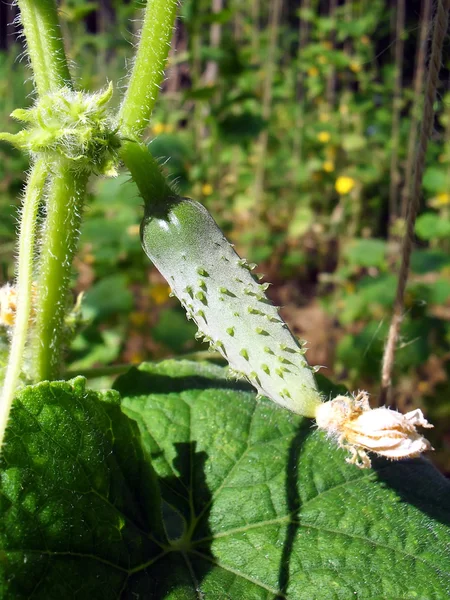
<point>262,506</point>
<point>255,503</point>
<point>79,503</point>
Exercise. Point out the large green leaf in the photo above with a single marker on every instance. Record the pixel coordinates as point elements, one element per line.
<point>366,253</point>
<point>430,226</point>
<point>78,502</point>
<point>256,503</point>
<point>108,296</point>
<point>435,179</point>
<point>261,506</point>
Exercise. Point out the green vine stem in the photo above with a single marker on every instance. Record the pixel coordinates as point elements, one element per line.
<point>149,64</point>
<point>59,243</point>
<point>33,195</point>
<point>45,46</point>
<point>50,70</point>
<point>146,173</point>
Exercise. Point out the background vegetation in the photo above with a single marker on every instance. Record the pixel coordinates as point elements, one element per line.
<point>294,122</point>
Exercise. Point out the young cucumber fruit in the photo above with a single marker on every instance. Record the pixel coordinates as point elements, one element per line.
<point>228,304</point>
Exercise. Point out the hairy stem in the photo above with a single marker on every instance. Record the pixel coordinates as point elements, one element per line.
<point>45,45</point>
<point>147,174</point>
<point>149,65</point>
<point>27,239</point>
<point>59,243</point>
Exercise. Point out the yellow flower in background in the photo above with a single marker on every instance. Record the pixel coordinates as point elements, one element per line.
<point>355,67</point>
<point>133,230</point>
<point>313,71</point>
<point>89,259</point>
<point>440,200</point>
<point>158,128</point>
<point>423,387</point>
<point>322,60</point>
<point>328,166</point>
<point>350,287</point>
<point>344,185</point>
<point>159,293</point>
<point>323,137</point>
<point>138,318</point>
<point>324,117</point>
<point>331,152</point>
<point>8,305</point>
<point>443,199</point>
<point>207,189</point>
<point>137,357</point>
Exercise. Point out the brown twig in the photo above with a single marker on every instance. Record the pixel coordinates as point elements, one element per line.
<point>255,14</point>
<point>263,140</point>
<point>396,110</point>
<point>419,77</point>
<point>331,79</point>
<point>439,31</point>
<point>303,35</point>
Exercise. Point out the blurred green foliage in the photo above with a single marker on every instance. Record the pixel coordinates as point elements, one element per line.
<point>319,229</point>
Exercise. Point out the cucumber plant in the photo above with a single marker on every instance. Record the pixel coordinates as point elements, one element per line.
<point>128,493</point>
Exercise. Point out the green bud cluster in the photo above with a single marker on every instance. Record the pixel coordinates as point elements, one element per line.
<point>72,126</point>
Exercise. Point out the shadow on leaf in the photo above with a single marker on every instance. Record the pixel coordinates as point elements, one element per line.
<point>186,520</point>
<point>419,483</point>
<point>293,503</point>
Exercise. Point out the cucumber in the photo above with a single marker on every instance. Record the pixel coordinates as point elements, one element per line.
<point>229,305</point>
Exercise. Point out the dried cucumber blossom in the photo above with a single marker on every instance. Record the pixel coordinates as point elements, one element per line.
<point>73,126</point>
<point>358,428</point>
<point>8,304</point>
<point>8,308</point>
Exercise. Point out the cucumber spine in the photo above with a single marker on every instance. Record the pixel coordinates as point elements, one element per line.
<point>228,303</point>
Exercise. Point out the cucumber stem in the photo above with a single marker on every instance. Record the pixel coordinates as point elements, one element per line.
<point>59,243</point>
<point>27,243</point>
<point>149,65</point>
<point>45,45</point>
<point>146,173</point>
